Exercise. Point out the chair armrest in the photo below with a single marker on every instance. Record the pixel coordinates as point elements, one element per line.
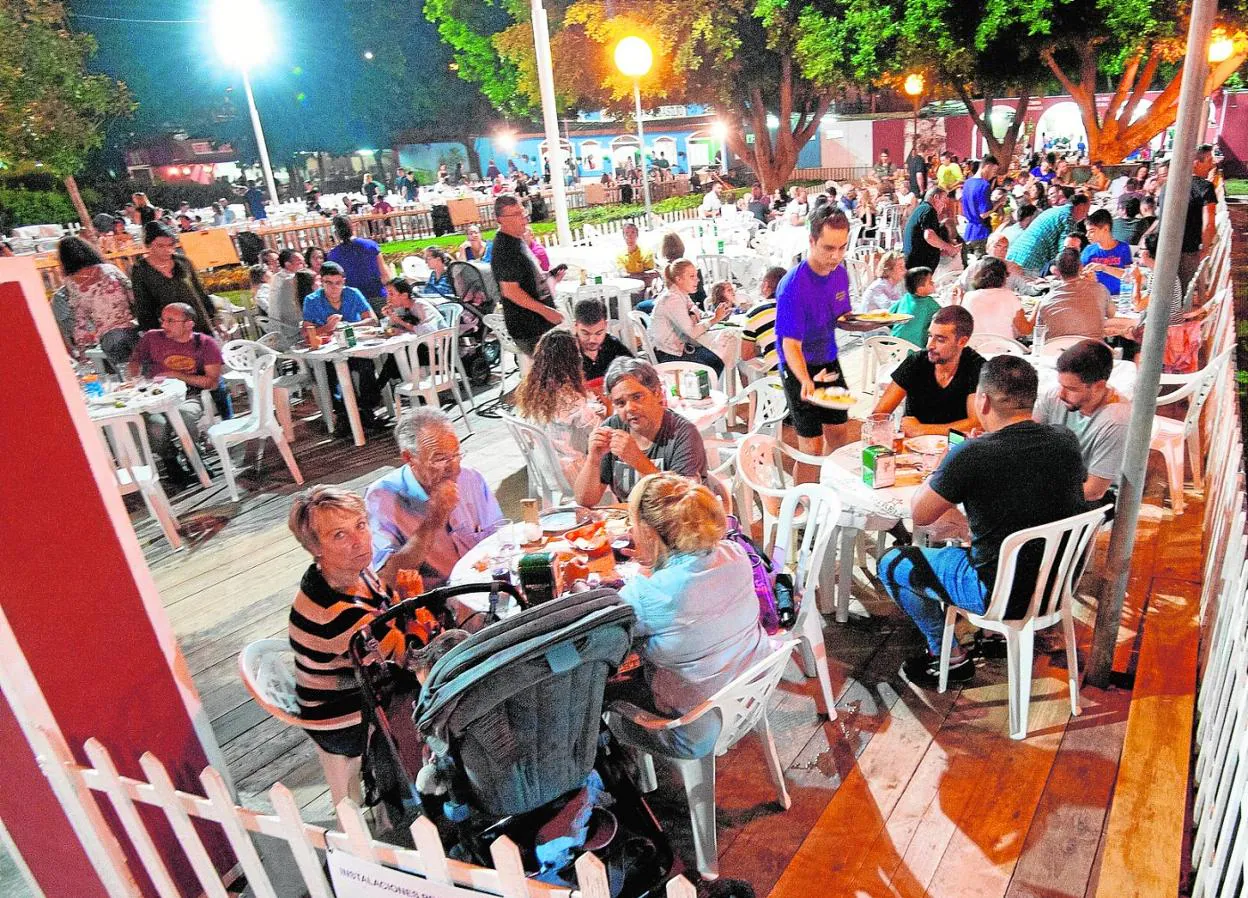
<point>644,730</point>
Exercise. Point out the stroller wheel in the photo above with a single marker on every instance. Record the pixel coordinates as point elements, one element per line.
<point>478,370</point>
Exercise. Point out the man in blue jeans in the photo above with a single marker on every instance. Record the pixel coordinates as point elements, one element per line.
<point>1019,474</point>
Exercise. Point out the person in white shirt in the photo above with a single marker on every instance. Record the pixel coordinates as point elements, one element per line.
<point>888,287</point>
<point>426,514</point>
<point>411,312</point>
<point>996,308</point>
<point>712,204</point>
<point>675,325</point>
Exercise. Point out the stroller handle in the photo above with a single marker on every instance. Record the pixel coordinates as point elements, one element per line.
<point>435,600</point>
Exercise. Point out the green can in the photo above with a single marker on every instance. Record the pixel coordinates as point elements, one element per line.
<point>879,466</point>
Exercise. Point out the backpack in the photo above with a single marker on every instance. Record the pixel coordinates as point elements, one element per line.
<point>774,588</point>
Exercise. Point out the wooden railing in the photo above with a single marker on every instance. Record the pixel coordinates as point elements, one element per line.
<point>840,174</point>
<point>308,843</point>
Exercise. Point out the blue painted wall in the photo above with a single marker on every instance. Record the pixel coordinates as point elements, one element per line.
<point>426,155</point>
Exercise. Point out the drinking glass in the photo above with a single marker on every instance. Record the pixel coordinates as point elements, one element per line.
<point>877,430</point>
<point>507,537</point>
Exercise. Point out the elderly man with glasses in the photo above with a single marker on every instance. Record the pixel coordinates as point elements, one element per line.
<point>426,514</point>
<point>528,307</point>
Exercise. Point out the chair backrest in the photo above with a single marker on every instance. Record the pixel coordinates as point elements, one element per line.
<point>261,387</point>
<point>888,216</point>
<point>742,702</point>
<point>451,312</point>
<point>440,347</point>
<point>641,327</point>
<point>1195,388</point>
<point>769,401</point>
<point>881,350</point>
<point>995,344</point>
<point>494,321</point>
<point>269,340</point>
<point>415,268</point>
<point>267,667</point>
<point>1058,345</point>
<point>715,266</point>
<point>125,439</point>
<point>671,372</point>
<point>758,467</point>
<point>748,272</point>
<point>546,474</point>
<point>1061,548</point>
<point>823,513</point>
<point>1196,286</point>
<point>241,355</point>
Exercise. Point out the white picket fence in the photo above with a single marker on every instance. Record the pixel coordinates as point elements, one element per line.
<point>76,785</point>
<point>1220,775</point>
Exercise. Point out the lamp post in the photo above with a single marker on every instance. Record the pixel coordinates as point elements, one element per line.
<point>914,88</point>
<point>633,57</point>
<point>720,132</point>
<point>550,121</point>
<point>242,35</point>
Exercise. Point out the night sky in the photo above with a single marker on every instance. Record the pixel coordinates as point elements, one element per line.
<point>306,92</point>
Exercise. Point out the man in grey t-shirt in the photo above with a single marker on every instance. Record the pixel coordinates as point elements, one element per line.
<point>1078,306</point>
<point>642,437</point>
<point>1084,402</point>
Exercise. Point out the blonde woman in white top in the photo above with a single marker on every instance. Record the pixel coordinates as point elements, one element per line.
<point>675,325</point>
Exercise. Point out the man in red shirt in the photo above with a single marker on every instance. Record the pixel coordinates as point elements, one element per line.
<point>176,351</point>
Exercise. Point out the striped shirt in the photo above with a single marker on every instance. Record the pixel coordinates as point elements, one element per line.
<point>760,329</point>
<point>1039,244</point>
<point>322,622</point>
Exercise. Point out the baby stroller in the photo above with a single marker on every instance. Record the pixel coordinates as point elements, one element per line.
<point>513,718</point>
<point>476,292</point>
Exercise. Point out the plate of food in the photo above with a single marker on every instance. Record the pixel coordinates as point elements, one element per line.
<point>879,316</point>
<point>561,520</point>
<point>837,398</point>
<point>931,442</point>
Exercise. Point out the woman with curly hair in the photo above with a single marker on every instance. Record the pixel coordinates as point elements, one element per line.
<point>553,396</point>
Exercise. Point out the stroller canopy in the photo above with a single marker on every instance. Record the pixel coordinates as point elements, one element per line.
<point>518,706</point>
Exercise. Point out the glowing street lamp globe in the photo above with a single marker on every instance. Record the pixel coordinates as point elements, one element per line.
<point>633,57</point>
<point>241,32</point>
<point>1221,47</point>
<point>913,85</point>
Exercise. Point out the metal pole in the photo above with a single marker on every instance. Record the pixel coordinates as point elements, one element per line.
<point>1144,403</point>
<point>260,144</point>
<point>723,155</point>
<point>641,139</point>
<point>550,121</point>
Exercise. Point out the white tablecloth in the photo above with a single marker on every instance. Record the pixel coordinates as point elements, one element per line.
<point>161,396</point>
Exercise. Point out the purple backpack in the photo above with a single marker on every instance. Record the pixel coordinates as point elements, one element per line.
<point>769,612</point>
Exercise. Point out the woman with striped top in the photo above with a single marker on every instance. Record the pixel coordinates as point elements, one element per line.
<point>339,594</point>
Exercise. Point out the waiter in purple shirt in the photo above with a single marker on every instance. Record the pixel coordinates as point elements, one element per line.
<point>977,205</point>
<point>810,303</point>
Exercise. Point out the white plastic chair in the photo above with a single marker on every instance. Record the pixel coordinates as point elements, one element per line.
<point>641,328</point>
<point>888,224</point>
<point>748,272</point>
<point>1055,346</point>
<point>267,667</point>
<point>547,480</point>
<point>715,267</point>
<point>995,344</point>
<point>1065,546</point>
<point>1169,436</point>
<point>737,709</point>
<point>135,469</point>
<point>415,268</point>
<point>882,352</point>
<point>494,324</point>
<point>260,423</point>
<point>823,512</point>
<point>451,312</point>
<point>240,358</point>
<point>439,375</point>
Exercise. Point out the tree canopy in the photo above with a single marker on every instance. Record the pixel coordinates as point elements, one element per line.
<point>52,110</point>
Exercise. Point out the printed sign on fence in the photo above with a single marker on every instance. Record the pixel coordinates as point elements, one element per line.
<point>355,877</point>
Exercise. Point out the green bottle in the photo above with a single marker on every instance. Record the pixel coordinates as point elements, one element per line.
<point>349,333</point>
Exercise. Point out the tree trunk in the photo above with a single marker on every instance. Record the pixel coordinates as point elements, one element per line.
<point>1117,137</point>
<point>84,216</point>
<point>773,164</point>
<point>1003,149</point>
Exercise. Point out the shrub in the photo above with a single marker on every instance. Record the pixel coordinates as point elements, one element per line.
<point>23,206</point>
<point>224,280</point>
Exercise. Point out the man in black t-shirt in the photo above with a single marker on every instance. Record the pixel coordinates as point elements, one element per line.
<point>528,310</point>
<point>1200,226</point>
<point>1020,474</point>
<point>938,384</point>
<point>924,238</point>
<point>916,168</point>
<point>598,348</point>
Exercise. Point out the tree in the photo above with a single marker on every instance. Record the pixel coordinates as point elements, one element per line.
<point>737,55</point>
<point>1143,42</point>
<point>52,111</point>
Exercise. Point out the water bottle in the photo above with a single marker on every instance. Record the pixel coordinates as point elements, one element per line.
<point>720,246</point>
<point>1038,338</point>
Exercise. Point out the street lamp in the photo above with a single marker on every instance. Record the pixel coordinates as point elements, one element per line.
<point>914,88</point>
<point>1221,47</point>
<point>243,36</point>
<point>633,57</point>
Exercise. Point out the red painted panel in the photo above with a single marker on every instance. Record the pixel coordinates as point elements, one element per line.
<point>890,134</point>
<point>958,136</point>
<point>77,579</point>
<point>35,820</point>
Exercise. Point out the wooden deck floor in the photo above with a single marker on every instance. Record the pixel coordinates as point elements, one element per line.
<point>907,793</point>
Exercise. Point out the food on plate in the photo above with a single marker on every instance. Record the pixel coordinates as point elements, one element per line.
<point>591,539</point>
<point>835,396</point>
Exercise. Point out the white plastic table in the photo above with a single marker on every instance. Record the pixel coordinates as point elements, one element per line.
<point>338,354</point>
<point>131,400</point>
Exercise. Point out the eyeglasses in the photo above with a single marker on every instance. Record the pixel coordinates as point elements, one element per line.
<point>440,461</point>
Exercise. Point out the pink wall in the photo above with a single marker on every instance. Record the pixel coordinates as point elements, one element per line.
<point>890,134</point>
<point>1234,131</point>
<point>78,601</point>
<point>958,136</point>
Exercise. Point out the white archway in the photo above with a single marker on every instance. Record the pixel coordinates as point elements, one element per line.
<point>544,147</point>
<point>1061,123</point>
<point>590,154</point>
<point>667,147</point>
<point>624,151</point>
<point>700,147</point>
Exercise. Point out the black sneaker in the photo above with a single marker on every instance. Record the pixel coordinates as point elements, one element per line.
<point>991,646</point>
<point>924,670</point>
